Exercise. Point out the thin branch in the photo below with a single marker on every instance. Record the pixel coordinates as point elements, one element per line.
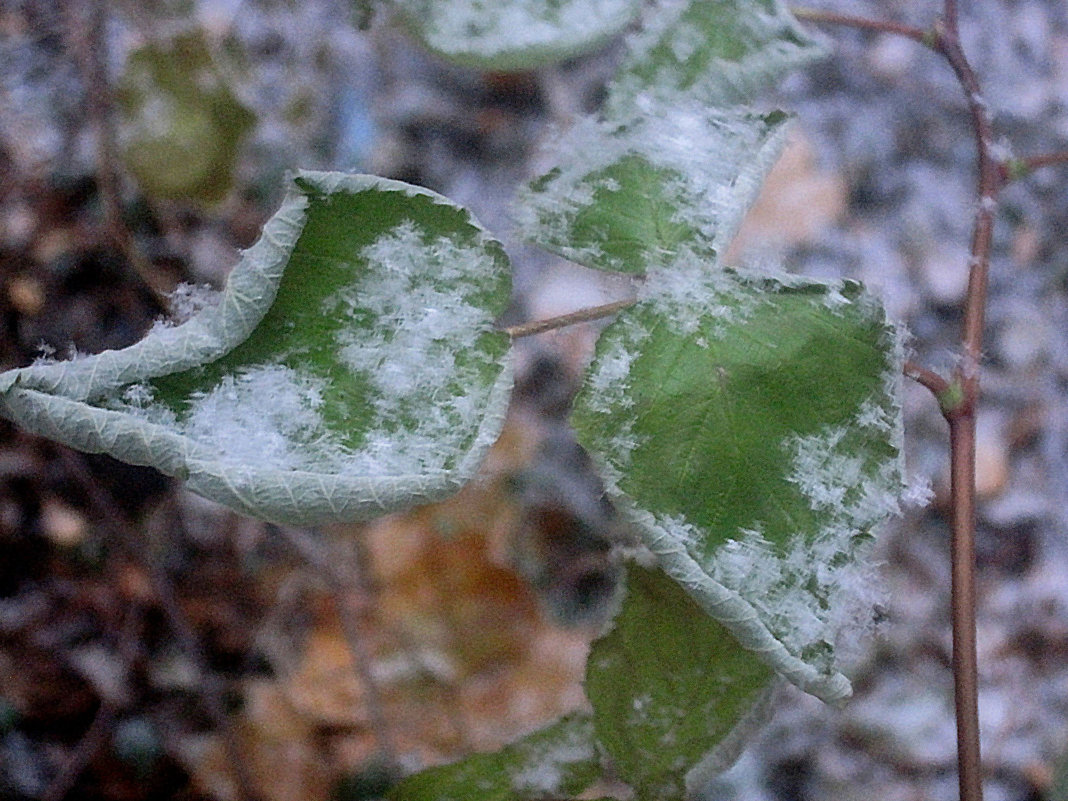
<point>965,659</point>
<point>928,378</point>
<point>91,53</point>
<point>950,17</point>
<point>948,44</point>
<point>958,398</point>
<point>350,627</point>
<point>861,23</point>
<point>961,417</point>
<point>581,316</point>
<point>1033,163</point>
<point>1019,167</point>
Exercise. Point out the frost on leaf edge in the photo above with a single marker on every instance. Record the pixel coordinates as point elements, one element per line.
<point>721,602</point>
<point>560,46</point>
<point>53,399</point>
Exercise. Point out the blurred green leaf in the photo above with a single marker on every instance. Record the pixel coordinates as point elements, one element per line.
<point>557,761</point>
<point>716,52</point>
<point>518,34</point>
<point>181,124</point>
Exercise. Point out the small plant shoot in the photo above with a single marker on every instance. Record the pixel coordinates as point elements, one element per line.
<point>746,421</point>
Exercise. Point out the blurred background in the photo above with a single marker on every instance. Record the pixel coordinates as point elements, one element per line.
<point>156,646</point>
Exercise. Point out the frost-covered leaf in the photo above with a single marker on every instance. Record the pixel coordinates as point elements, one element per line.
<point>679,154</point>
<point>750,427</point>
<point>181,123</point>
<point>557,761</point>
<point>718,52</point>
<point>671,689</point>
<point>350,367</point>
<point>675,177</point>
<point>517,34</point>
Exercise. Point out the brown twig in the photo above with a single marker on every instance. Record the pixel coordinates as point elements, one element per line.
<point>950,18</point>
<point>563,320</point>
<point>961,420</point>
<point>860,23</point>
<point>958,397</point>
<point>89,37</point>
<point>1015,168</point>
<point>928,378</point>
<point>340,589</point>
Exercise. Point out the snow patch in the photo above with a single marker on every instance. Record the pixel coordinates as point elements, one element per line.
<point>710,164</point>
<point>544,764</point>
<point>267,416</point>
<point>417,321</point>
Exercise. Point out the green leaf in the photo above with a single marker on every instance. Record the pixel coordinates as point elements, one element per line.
<point>679,155</point>
<point>557,761</point>
<point>717,52</point>
<point>671,689</point>
<point>181,123</point>
<point>674,179</point>
<point>518,34</point>
<point>750,428</point>
<point>350,367</point>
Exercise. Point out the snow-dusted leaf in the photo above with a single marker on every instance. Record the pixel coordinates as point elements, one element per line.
<point>679,153</point>
<point>517,34</point>
<point>181,124</point>
<point>350,367</point>
<point>718,52</point>
<point>750,429</point>
<point>558,761</point>
<point>674,695</point>
<point>675,177</point>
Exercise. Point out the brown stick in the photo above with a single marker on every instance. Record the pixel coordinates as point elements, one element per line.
<point>563,320</point>
<point>928,378</point>
<point>89,37</point>
<point>1019,167</point>
<point>958,398</point>
<point>965,662</point>
<point>860,23</point>
<point>340,589</point>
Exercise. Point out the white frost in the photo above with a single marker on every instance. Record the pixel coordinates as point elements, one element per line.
<point>489,28</point>
<point>542,769</point>
<point>711,161</point>
<point>816,588</point>
<point>267,416</point>
<point>417,354</point>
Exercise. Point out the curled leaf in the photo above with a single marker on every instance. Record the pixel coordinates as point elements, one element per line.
<point>351,366</point>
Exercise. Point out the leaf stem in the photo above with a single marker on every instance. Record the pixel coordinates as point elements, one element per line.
<point>928,378</point>
<point>861,23</point>
<point>89,39</point>
<point>1019,167</point>
<point>563,320</point>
